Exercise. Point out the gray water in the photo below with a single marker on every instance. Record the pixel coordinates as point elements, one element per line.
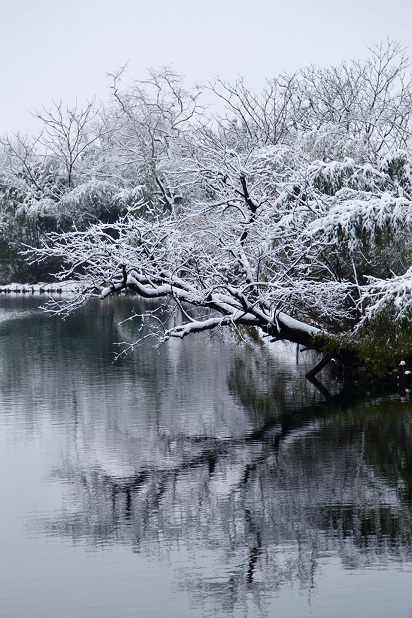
<point>206,478</point>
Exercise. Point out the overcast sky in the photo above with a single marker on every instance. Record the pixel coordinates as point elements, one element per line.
<point>64,49</point>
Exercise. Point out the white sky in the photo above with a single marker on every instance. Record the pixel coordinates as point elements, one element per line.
<point>63,49</point>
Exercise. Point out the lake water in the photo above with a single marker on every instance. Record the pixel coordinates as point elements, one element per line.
<point>204,479</point>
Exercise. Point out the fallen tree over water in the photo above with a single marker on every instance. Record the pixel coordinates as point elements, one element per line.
<point>291,214</point>
<point>202,263</point>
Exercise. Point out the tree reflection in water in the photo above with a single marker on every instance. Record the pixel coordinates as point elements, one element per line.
<point>226,462</point>
<point>256,514</point>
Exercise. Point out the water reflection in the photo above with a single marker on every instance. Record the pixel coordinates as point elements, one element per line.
<point>217,459</point>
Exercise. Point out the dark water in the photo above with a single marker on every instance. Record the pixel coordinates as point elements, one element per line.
<point>206,478</point>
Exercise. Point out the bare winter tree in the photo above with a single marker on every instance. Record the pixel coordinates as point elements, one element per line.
<point>368,100</point>
<point>149,120</point>
<point>68,132</point>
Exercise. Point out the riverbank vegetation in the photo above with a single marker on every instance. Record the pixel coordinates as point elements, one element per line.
<point>288,210</point>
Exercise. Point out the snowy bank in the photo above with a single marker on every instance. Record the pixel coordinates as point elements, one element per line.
<point>57,287</point>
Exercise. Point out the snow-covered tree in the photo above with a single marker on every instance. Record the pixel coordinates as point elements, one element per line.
<point>294,210</point>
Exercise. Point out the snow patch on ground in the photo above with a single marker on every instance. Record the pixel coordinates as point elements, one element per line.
<point>58,287</point>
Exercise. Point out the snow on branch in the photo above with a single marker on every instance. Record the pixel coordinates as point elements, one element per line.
<point>393,294</point>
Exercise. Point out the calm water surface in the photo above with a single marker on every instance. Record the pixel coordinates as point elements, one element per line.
<point>206,478</point>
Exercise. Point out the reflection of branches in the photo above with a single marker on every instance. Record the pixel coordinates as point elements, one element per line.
<point>252,511</point>
<point>295,482</point>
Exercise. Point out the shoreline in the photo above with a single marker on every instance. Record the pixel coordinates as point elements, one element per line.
<point>57,287</point>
